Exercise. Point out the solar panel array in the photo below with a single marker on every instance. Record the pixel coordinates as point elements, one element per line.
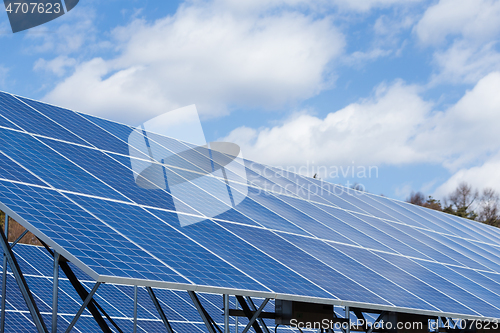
<point>68,178</point>
<point>117,301</point>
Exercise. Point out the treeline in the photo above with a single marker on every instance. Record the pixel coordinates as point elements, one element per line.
<point>465,201</point>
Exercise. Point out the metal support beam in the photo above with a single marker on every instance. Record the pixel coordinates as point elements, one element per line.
<point>4,279</point>
<point>19,238</point>
<point>135,309</point>
<point>204,315</point>
<point>348,317</point>
<point>225,299</point>
<point>259,319</point>
<point>55,292</point>
<point>23,286</point>
<point>82,308</point>
<point>248,313</point>
<point>93,306</point>
<point>160,310</point>
<point>379,318</point>
<point>360,316</point>
<point>237,326</point>
<point>255,316</point>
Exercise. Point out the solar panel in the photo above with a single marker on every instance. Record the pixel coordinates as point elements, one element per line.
<point>116,300</point>
<point>72,180</point>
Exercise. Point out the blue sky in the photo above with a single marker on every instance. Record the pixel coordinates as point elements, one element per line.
<point>409,87</point>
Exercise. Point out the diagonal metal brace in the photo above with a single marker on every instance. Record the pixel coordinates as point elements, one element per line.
<point>93,306</point>
<point>255,316</point>
<point>248,313</point>
<point>160,310</point>
<point>209,322</point>
<point>23,286</point>
<point>82,308</point>
<point>259,319</point>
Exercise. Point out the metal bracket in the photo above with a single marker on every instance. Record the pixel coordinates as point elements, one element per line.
<point>255,316</point>
<point>248,313</point>
<point>160,310</point>
<point>259,318</point>
<point>82,308</point>
<point>379,318</point>
<point>209,322</point>
<point>93,306</point>
<point>23,286</point>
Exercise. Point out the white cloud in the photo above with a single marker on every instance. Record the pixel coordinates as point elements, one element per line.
<point>465,34</point>
<point>365,5</point>
<point>374,131</point>
<point>464,63</point>
<point>477,20</point>
<point>318,5</point>
<point>75,32</point>
<point>204,55</point>
<point>57,66</point>
<point>394,127</point>
<point>481,177</point>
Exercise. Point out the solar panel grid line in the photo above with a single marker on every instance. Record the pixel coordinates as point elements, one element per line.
<point>430,285</point>
<point>337,270</point>
<point>47,240</point>
<point>199,244</point>
<point>440,218</point>
<point>292,222</point>
<point>423,228</point>
<point>362,213</point>
<point>54,121</point>
<point>461,287</point>
<point>487,285</point>
<point>456,280</point>
<point>491,250</point>
<point>384,277</point>
<point>132,242</point>
<point>388,235</point>
<point>464,249</point>
<point>445,219</point>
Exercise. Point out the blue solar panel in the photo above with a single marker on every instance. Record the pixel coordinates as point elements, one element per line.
<point>93,199</point>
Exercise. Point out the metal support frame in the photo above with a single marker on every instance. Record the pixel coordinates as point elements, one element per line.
<point>4,279</point>
<point>248,313</point>
<point>160,310</point>
<point>93,306</point>
<point>135,309</point>
<point>225,300</point>
<point>19,238</point>
<point>348,317</point>
<point>82,308</point>
<point>259,319</point>
<point>55,292</point>
<point>255,316</point>
<point>360,315</point>
<point>236,323</point>
<point>23,286</point>
<point>379,318</point>
<point>209,322</point>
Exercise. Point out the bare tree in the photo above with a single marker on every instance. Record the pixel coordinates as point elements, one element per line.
<point>416,198</point>
<point>460,201</point>
<point>489,207</point>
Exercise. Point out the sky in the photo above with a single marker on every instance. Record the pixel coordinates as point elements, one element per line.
<point>396,95</point>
